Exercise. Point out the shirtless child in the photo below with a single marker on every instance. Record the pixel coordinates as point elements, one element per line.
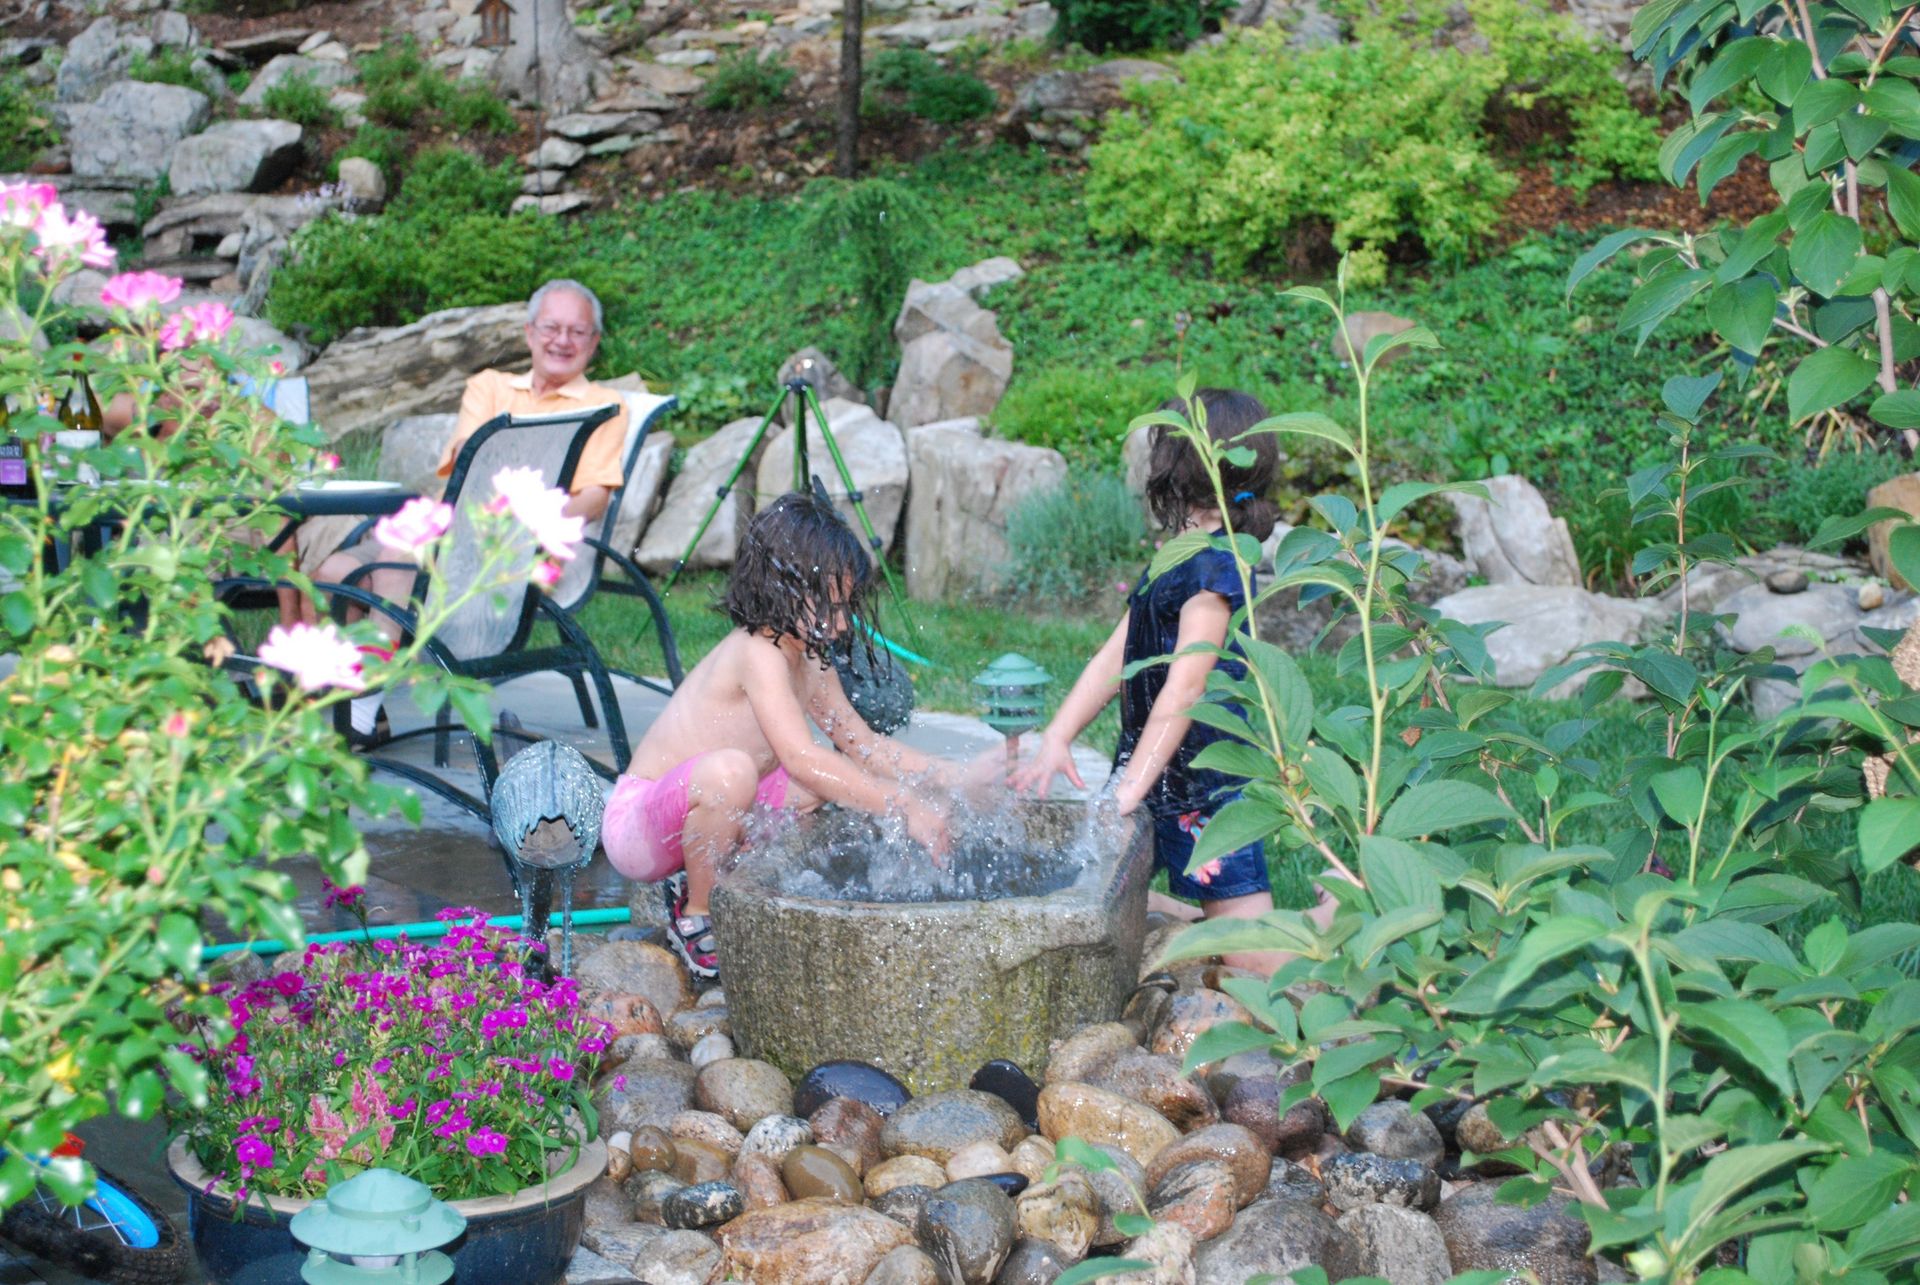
<point>736,731</point>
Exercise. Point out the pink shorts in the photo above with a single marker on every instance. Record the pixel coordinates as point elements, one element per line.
<point>643,821</point>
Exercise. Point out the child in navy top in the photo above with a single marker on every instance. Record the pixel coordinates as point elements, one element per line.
<point>1191,604</point>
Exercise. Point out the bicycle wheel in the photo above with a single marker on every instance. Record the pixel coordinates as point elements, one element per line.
<point>117,1235</point>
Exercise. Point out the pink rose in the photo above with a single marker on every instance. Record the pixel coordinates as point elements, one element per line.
<point>315,657</point>
<point>197,323</point>
<point>418,524</point>
<point>546,573</point>
<point>538,507</point>
<point>23,205</point>
<point>138,291</point>
<point>79,234</point>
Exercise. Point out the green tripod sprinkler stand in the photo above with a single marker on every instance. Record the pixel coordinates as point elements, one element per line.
<point>800,389</point>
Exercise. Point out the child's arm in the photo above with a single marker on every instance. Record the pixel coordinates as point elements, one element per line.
<point>1204,619</point>
<point>1091,691</point>
<point>835,715</point>
<point>768,683</point>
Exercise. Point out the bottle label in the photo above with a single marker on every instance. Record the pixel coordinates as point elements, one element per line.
<point>13,472</point>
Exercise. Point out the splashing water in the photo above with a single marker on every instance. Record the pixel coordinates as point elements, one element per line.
<point>1001,848</point>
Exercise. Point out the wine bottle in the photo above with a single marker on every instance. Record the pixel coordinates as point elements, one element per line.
<point>89,415</point>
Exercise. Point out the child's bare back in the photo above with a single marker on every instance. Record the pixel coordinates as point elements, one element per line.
<point>710,710</point>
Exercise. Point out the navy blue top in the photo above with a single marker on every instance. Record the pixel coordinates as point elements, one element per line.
<point>1153,629</point>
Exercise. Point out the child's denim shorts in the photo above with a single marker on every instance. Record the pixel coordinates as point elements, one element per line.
<point>1237,874</point>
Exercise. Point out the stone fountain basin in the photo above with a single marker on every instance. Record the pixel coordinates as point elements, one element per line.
<point>930,990</point>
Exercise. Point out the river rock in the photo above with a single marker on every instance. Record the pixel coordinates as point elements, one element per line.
<point>323,72</point>
<point>649,1189</point>
<point>1395,1130</point>
<point>1404,1246</point>
<point>977,1160</point>
<point>677,1258</point>
<point>1254,1104</point>
<point>758,1177</point>
<point>371,376</point>
<point>1064,1213</point>
<point>965,486</point>
<point>705,1126</point>
<point>851,1130</point>
<point>1082,1111</point>
<point>743,1090</point>
<point>875,453</point>
<point>967,1229</point>
<point>1277,1236</point>
<point>635,1048</point>
<point>128,134</point>
<point>1234,1146</point>
<point>1081,1055</point>
<point>1547,1239</point>
<point>940,1124</point>
<point>807,1240</point>
<point>904,1171</point>
<point>621,1242</point>
<point>1543,625</point>
<point>1291,1181</point>
<point>626,1014</point>
<point>691,1025</point>
<point>814,1172</point>
<point>691,493</point>
<point>1197,1195</point>
<point>235,156</point>
<point>589,1268</point>
<point>902,1204</point>
<point>1032,1157</point>
<point>1477,1132</point>
<point>1360,1178</point>
<point>697,1161</point>
<point>1902,492</point>
<point>644,1091</point>
<point>1510,537</point>
<point>1011,1085</point>
<point>1121,1186</point>
<point>711,1048</point>
<point>651,1147</point>
<point>776,1135</point>
<point>1168,1251</point>
<point>1034,1262</point>
<point>907,1265</point>
<point>705,1204</point>
<point>860,1081</point>
<point>1155,1079</point>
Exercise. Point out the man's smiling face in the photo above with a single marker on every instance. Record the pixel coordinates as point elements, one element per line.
<point>562,337</point>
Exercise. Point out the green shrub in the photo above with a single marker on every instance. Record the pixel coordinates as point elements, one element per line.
<point>1100,25</point>
<point>914,80</point>
<point>25,128</point>
<point>952,97</point>
<point>1807,495</point>
<point>471,105</point>
<point>1078,540</point>
<point>874,233</point>
<point>299,100</point>
<point>1081,412</point>
<point>743,80</point>
<point>447,183</point>
<point>170,65</point>
<point>898,70</point>
<point>380,144</point>
<point>1254,145</point>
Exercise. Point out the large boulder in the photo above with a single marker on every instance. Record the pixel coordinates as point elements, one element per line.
<point>1510,537</point>
<point>411,447</point>
<point>127,135</point>
<point>371,376</point>
<point>1896,493</point>
<point>1064,107</point>
<point>953,360</point>
<point>875,453</point>
<point>195,223</point>
<point>1710,584</point>
<point>964,488</point>
<point>692,495</point>
<point>103,53</point>
<point>817,369</point>
<point>235,156</point>
<point>1544,625</point>
<point>322,72</point>
<point>1782,621</point>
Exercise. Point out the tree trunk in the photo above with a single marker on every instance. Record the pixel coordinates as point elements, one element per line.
<point>545,61</point>
<point>846,155</point>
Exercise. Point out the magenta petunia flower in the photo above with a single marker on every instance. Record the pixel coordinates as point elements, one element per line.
<point>257,1152</point>
<point>559,1068</point>
<point>316,657</point>
<point>485,1142</point>
<point>138,291</point>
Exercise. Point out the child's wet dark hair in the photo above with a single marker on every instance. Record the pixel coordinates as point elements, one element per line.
<point>1177,481</point>
<point>799,567</point>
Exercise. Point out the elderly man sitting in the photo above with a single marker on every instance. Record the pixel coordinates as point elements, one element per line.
<point>563,333</point>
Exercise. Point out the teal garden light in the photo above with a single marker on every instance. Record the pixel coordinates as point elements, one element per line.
<point>1014,697</point>
<point>377,1228</point>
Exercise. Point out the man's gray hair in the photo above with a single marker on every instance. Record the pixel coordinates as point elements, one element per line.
<point>563,283</point>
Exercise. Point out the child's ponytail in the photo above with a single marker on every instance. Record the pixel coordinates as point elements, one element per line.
<point>1254,514</point>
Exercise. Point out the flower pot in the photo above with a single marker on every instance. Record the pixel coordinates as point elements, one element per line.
<point>526,1238</point>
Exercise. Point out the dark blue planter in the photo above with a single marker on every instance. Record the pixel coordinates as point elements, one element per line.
<point>525,1239</point>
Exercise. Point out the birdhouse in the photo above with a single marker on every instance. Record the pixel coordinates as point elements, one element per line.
<point>495,18</point>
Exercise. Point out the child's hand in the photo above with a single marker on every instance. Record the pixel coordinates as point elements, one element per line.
<point>1129,797</point>
<point>928,827</point>
<point>1055,758</point>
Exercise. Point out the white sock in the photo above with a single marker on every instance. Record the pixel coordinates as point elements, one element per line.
<point>363,712</point>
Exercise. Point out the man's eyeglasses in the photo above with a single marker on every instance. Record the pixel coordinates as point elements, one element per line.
<point>553,330</point>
